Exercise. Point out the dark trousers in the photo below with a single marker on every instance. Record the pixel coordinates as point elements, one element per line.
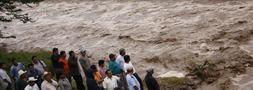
<point>79,82</point>
<point>139,80</point>
<point>9,87</point>
<point>58,72</point>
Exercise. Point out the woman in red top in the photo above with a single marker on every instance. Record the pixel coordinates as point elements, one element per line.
<point>64,63</point>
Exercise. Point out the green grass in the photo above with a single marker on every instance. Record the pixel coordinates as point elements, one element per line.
<point>23,57</point>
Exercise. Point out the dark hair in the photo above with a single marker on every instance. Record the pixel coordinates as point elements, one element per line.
<point>55,49</point>
<point>1,64</point>
<point>121,71</point>
<point>106,72</point>
<point>111,56</point>
<point>62,53</point>
<point>70,52</point>
<point>121,51</point>
<point>89,74</point>
<point>127,58</point>
<point>93,67</point>
<point>13,59</point>
<point>29,65</point>
<point>101,62</point>
<point>33,57</point>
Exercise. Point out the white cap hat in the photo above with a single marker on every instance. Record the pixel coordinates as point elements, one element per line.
<point>45,73</point>
<point>82,50</point>
<point>32,79</point>
<point>21,72</point>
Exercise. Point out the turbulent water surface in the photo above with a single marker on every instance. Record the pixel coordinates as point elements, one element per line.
<point>162,34</point>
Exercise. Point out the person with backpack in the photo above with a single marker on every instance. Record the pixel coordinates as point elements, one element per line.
<point>38,64</point>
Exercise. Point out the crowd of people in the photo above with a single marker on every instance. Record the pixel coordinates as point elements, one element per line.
<point>117,73</point>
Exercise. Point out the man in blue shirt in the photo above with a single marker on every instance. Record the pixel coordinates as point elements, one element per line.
<point>16,66</point>
<point>113,65</point>
<point>132,82</point>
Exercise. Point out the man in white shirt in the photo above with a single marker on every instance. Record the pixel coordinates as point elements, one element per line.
<point>48,83</point>
<point>120,58</point>
<point>31,84</point>
<point>132,82</point>
<point>110,82</point>
<point>5,80</point>
<point>127,65</point>
<point>38,65</point>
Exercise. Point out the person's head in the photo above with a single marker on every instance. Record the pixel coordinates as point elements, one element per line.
<point>108,73</point>
<point>30,66</point>
<point>34,59</point>
<point>47,76</point>
<point>14,62</point>
<point>2,65</point>
<point>94,68</point>
<point>31,81</point>
<point>112,57</point>
<point>89,74</point>
<point>55,51</point>
<point>122,51</point>
<point>101,63</point>
<point>83,52</point>
<point>122,72</point>
<point>130,70</point>
<point>22,74</point>
<point>62,75</point>
<point>127,58</point>
<point>150,71</point>
<point>63,54</point>
<point>71,53</point>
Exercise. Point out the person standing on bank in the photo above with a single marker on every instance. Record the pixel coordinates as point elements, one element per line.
<point>132,82</point>
<point>102,68</point>
<point>113,65</point>
<point>32,84</point>
<point>55,62</point>
<point>91,82</point>
<point>21,82</point>
<point>16,66</point>
<point>38,65</point>
<point>64,83</point>
<point>150,81</point>
<point>5,80</point>
<point>74,70</point>
<point>129,64</point>
<point>84,60</point>
<point>48,83</point>
<point>64,64</point>
<point>120,58</point>
<point>110,82</point>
